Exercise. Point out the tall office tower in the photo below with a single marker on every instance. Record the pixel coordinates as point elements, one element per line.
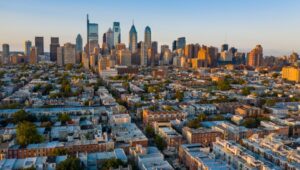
<point>232,50</point>
<point>5,54</point>
<point>67,54</point>
<point>33,57</point>
<point>60,56</point>
<point>104,38</point>
<point>213,56</point>
<point>189,51</point>
<point>174,45</point>
<point>54,44</point>
<point>154,56</point>
<point>225,47</point>
<point>196,50</point>
<point>79,43</point>
<point>92,36</point>
<point>124,57</point>
<point>110,38</point>
<point>180,43</point>
<point>163,48</point>
<point>293,58</point>
<point>255,57</point>
<point>117,33</point>
<point>39,45</point>
<point>147,37</point>
<point>133,39</point>
<point>27,46</point>
<point>143,55</point>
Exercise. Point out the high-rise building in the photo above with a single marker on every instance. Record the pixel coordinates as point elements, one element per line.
<point>60,56</point>
<point>154,57</point>
<point>143,55</point>
<point>5,53</point>
<point>33,57</point>
<point>225,47</point>
<point>66,54</point>
<point>110,38</point>
<point>39,45</point>
<point>147,37</point>
<point>174,45</point>
<point>124,57</point>
<point>133,39</point>
<point>69,53</point>
<point>189,51</point>
<point>54,44</point>
<point>291,73</point>
<point>79,43</point>
<point>180,43</point>
<point>255,57</point>
<point>27,46</point>
<point>117,33</point>
<point>92,36</point>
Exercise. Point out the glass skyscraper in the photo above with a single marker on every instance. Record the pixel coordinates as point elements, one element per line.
<point>92,36</point>
<point>133,39</point>
<point>78,43</point>
<point>117,33</point>
<point>148,37</point>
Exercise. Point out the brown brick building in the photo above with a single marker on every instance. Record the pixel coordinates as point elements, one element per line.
<point>201,135</point>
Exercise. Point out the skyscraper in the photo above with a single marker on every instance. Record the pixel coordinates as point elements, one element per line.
<point>110,38</point>
<point>92,36</point>
<point>147,37</point>
<point>39,44</point>
<point>143,55</point>
<point>225,47</point>
<point>117,33</point>
<point>33,58</point>
<point>66,54</point>
<point>255,57</point>
<point>78,43</point>
<point>27,46</point>
<point>54,43</point>
<point>133,39</point>
<point>5,54</point>
<point>174,45</point>
<point>180,43</point>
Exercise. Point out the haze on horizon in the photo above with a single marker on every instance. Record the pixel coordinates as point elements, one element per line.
<point>241,23</point>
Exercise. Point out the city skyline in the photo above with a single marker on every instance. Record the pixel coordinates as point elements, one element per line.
<point>241,24</point>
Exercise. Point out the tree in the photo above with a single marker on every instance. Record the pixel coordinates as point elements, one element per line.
<point>270,102</point>
<point>71,163</point>
<point>64,118</point>
<point>27,134</point>
<point>250,123</point>
<point>224,85</point>
<point>21,116</point>
<point>59,151</point>
<point>69,67</point>
<point>246,91</point>
<point>193,124</point>
<point>179,95</point>
<point>111,163</point>
<point>149,131</point>
<point>159,142</point>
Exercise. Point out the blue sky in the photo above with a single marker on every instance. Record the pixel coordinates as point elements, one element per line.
<point>243,23</point>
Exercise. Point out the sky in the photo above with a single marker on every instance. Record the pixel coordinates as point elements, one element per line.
<point>275,24</point>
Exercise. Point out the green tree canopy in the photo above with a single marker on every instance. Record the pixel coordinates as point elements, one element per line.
<point>27,134</point>
<point>71,163</point>
<point>159,142</point>
<point>22,115</point>
<point>111,163</point>
<point>64,118</point>
<point>149,131</point>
